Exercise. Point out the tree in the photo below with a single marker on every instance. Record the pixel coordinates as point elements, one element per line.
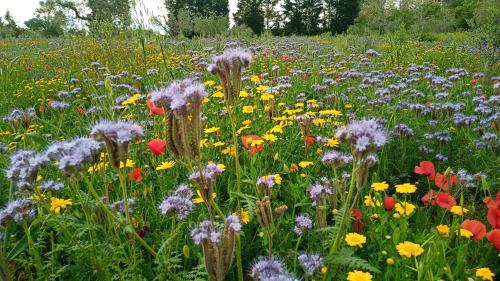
<point>10,28</point>
<point>341,14</point>
<point>48,19</point>
<point>251,14</point>
<point>311,11</point>
<point>116,12</point>
<point>292,17</point>
<point>270,13</point>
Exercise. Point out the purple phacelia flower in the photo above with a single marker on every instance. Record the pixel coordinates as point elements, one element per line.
<point>310,263</point>
<point>205,231</point>
<point>180,203</point>
<point>302,223</point>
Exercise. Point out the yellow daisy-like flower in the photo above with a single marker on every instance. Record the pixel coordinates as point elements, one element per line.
<point>211,130</point>
<point>305,164</point>
<point>380,186</point>
<point>56,204</point>
<point>240,130</point>
<point>128,164</point>
<point>255,78</point>
<point>269,137</point>
<point>371,202</point>
<point>209,83</point>
<point>132,100</point>
<point>218,94</point>
<point>248,109</point>
<point>244,216</point>
<point>405,208</point>
<point>464,233</point>
<point>409,249</point>
<point>203,143</point>
<point>458,210</point>
<point>97,167</point>
<point>219,143</point>
<point>243,94</point>
<point>230,150</point>
<point>332,143</point>
<point>200,199</point>
<point>276,129</point>
<point>166,165</point>
<point>330,112</point>
<point>246,122</point>
<point>375,216</point>
<point>355,239</point>
<point>406,188</point>
<point>443,229</point>
<point>357,275</point>
<point>261,88</point>
<point>266,97</point>
<point>485,274</point>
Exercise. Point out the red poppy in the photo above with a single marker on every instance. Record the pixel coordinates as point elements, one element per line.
<point>309,141</point>
<point>476,227</point>
<point>157,146</point>
<point>445,200</point>
<point>81,110</point>
<point>247,143</point>
<point>42,108</point>
<point>135,175</point>
<point>429,198</point>
<point>473,81</point>
<point>442,181</point>
<point>493,210</point>
<point>284,57</point>
<point>389,203</point>
<point>427,104</point>
<point>358,224</point>
<point>494,237</point>
<point>426,168</point>
<point>153,109</point>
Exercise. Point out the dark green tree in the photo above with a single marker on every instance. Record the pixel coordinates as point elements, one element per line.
<point>340,14</point>
<point>311,11</point>
<point>271,15</point>
<point>250,13</point>
<point>48,19</point>
<point>116,12</point>
<point>292,17</point>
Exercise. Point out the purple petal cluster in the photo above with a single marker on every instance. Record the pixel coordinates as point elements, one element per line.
<point>267,268</point>
<point>302,223</point>
<point>310,263</point>
<point>120,206</point>
<point>118,132</point>
<point>51,185</point>
<point>180,203</point>
<point>17,211</point>
<point>24,166</point>
<point>205,231</point>
<point>210,171</point>
<point>336,158</point>
<point>363,135</point>
<point>318,191</point>
<point>73,154</point>
<point>178,95</point>
<point>267,181</point>
<point>233,223</point>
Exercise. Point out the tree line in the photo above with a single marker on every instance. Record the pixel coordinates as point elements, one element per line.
<point>191,18</point>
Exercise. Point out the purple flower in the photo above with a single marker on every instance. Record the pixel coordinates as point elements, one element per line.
<point>17,211</point>
<point>205,231</point>
<point>319,191</point>
<point>51,185</point>
<point>180,203</point>
<point>310,263</point>
<point>24,165</point>
<point>73,154</point>
<point>267,268</point>
<point>117,132</point>
<point>210,171</point>
<point>233,223</point>
<point>336,158</point>
<point>363,135</point>
<point>267,181</point>
<point>178,95</point>
<point>302,223</point>
<point>120,206</point>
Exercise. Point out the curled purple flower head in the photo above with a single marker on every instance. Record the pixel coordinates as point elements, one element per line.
<point>267,268</point>
<point>210,171</point>
<point>117,132</point>
<point>20,115</point>
<point>231,58</point>
<point>120,206</point>
<point>59,105</point>
<point>205,231</point>
<point>17,211</point>
<point>363,135</point>
<point>302,223</point>
<point>24,165</point>
<point>180,203</point>
<point>72,155</point>
<point>269,180</point>
<point>318,191</point>
<point>310,263</point>
<point>336,158</point>
<point>180,96</point>
<point>233,223</point>
<point>51,185</point>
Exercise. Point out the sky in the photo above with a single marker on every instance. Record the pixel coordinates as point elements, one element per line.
<point>22,10</point>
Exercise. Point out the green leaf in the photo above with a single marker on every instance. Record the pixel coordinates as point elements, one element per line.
<point>18,248</point>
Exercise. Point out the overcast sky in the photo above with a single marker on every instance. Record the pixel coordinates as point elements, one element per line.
<point>22,10</point>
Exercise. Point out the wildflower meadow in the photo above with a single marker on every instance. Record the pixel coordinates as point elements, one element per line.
<point>271,158</point>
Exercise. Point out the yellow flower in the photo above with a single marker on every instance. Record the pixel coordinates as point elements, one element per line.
<point>246,122</point>
<point>380,186</point>
<point>405,208</point>
<point>203,143</point>
<point>128,164</point>
<point>405,188</point>
<point>255,78</point>
<point>218,94</point>
<point>294,168</point>
<point>355,239</point>
<point>242,129</point>
<point>332,143</point>
<point>209,83</point>
<point>269,137</point>
<point>443,229</point>
<point>357,275</point>
<point>330,112</point>
<point>261,88</point>
<point>375,216</point>
<point>409,249</point>
<point>244,216</point>
<point>485,273</point>
<point>390,261</point>
<point>266,97</point>
<point>248,109</point>
<point>348,106</point>
<point>277,179</point>
<point>211,130</point>
<point>464,233</point>
<point>276,129</point>
<point>132,100</point>
<point>166,165</point>
<point>458,210</point>
<point>324,270</point>
<point>243,94</point>
<point>230,150</point>
<point>56,204</point>
<point>200,198</point>
<point>219,143</point>
<point>305,164</point>
<point>371,202</point>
